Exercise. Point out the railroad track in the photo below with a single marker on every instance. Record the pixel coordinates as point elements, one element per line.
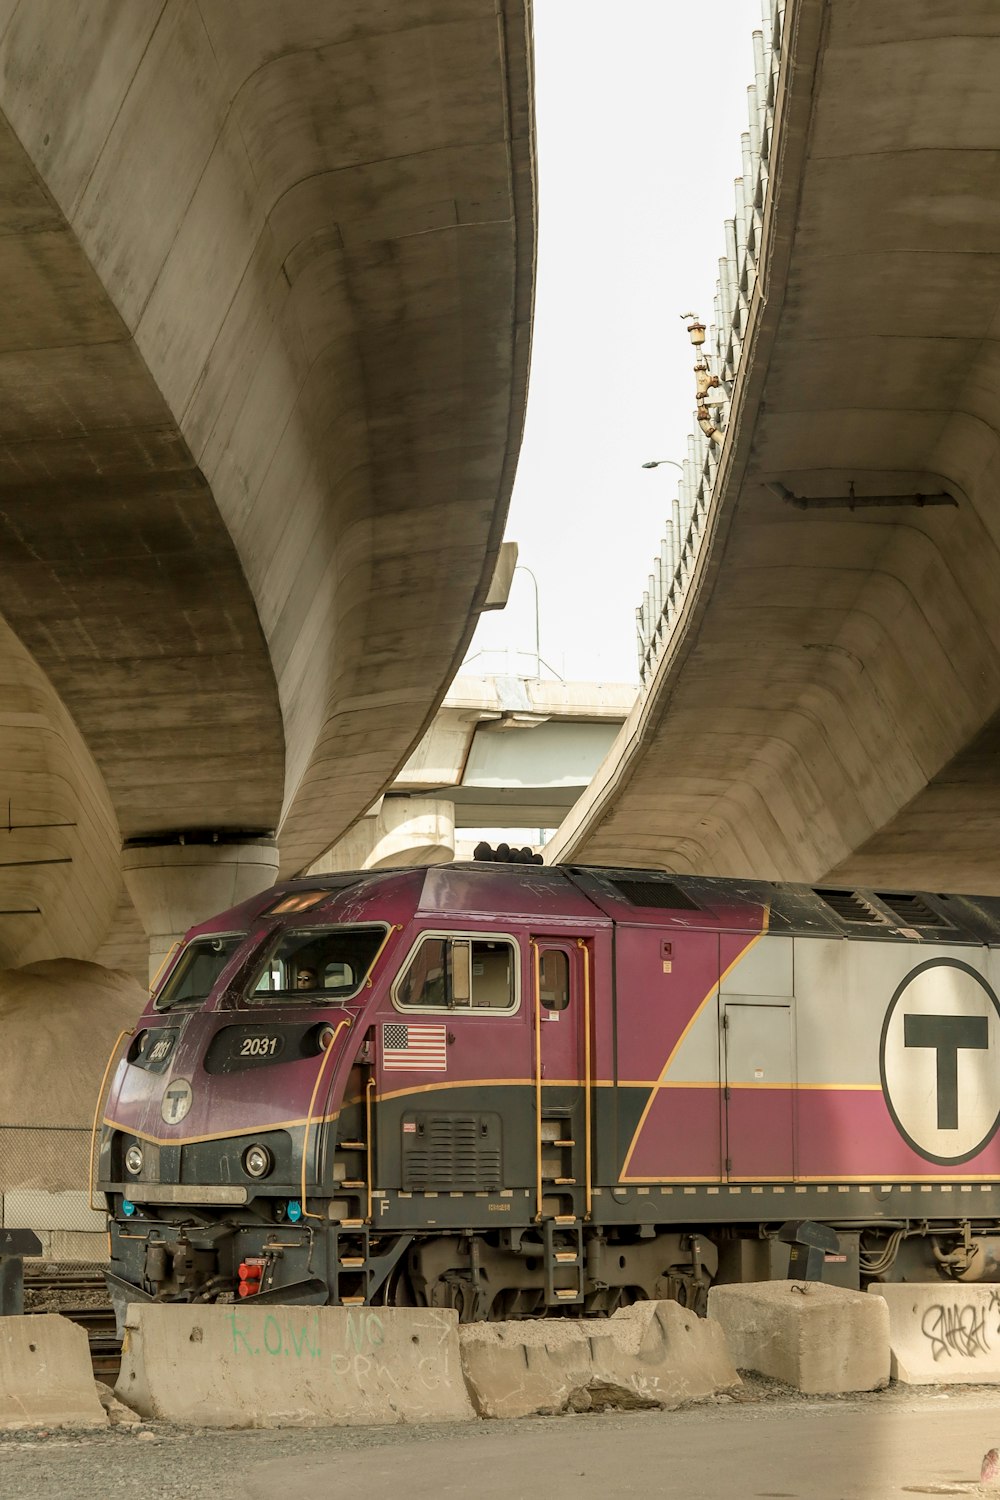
<point>43,1281</point>
<point>99,1325</point>
<point>49,1288</point>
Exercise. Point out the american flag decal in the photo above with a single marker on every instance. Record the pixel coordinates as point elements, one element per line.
<point>414,1048</point>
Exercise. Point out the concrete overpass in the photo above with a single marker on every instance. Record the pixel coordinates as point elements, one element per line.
<point>821,645</point>
<point>262,378</point>
<point>502,752</point>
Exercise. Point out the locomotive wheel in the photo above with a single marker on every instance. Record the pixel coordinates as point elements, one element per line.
<point>397,1289</point>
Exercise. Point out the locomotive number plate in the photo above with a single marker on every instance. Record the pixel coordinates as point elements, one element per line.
<point>234,1049</point>
<point>260,1044</point>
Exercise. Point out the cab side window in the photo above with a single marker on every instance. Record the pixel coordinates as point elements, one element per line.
<point>461,973</point>
<point>423,984</point>
<point>492,975</point>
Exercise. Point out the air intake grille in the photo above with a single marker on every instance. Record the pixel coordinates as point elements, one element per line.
<point>911,911</point>
<point>457,1153</point>
<point>658,893</point>
<point>850,907</point>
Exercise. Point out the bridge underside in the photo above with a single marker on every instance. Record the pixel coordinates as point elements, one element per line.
<point>829,702</point>
<point>262,375</point>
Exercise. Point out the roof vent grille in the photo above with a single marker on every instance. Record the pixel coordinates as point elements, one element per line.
<point>913,911</point>
<point>849,906</point>
<point>663,894</point>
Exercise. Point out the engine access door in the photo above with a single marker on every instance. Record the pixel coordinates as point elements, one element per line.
<point>561,991</point>
<point>759,1093</point>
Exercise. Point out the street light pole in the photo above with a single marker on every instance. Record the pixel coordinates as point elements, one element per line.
<point>520,568</point>
<point>667,561</point>
<point>654,463</point>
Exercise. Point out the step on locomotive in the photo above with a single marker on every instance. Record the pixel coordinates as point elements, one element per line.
<point>515,1090</point>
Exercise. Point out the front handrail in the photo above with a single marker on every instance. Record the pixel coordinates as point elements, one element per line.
<point>393,927</point>
<point>369,1100</point>
<point>101,1095</point>
<point>328,1053</point>
<point>538,1078</point>
<point>588,1079</point>
<point>165,962</point>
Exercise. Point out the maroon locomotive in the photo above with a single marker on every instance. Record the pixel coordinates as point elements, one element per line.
<point>511,1089</point>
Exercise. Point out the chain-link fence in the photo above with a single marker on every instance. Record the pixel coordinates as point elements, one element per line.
<point>49,1158</point>
<point>44,1186</point>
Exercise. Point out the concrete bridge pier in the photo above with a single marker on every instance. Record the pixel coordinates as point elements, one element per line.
<point>182,878</point>
<point>396,831</point>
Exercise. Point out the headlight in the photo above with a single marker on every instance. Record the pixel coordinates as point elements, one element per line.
<point>133,1159</point>
<point>257,1161</point>
<point>325,1036</point>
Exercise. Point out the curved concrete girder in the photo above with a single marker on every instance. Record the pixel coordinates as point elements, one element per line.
<point>957,816</point>
<point>318,226</point>
<point>59,841</point>
<point>829,664</point>
<point>116,569</point>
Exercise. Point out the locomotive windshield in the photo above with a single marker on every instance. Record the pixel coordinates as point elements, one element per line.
<point>197,969</point>
<point>317,964</point>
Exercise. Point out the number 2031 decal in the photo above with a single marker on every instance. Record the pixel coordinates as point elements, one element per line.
<point>260,1046</point>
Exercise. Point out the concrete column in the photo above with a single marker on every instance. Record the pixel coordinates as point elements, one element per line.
<point>187,878</point>
<point>397,831</point>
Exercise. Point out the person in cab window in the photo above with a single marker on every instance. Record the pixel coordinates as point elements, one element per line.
<point>305,978</point>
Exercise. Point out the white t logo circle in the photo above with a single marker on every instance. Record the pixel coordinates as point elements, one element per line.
<point>940,1042</point>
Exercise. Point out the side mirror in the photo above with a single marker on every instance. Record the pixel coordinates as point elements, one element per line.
<point>461,971</point>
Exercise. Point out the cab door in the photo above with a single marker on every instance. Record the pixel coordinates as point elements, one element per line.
<point>561,990</point>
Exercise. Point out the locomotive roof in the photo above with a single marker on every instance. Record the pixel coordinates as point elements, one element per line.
<point>485,890</point>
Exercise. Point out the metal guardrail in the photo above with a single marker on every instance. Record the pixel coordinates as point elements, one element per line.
<point>738,270</point>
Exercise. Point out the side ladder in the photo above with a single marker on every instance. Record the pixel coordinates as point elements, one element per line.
<point>357,1268</point>
<point>564,1263</point>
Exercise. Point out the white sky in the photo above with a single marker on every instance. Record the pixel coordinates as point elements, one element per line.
<point>640,107</point>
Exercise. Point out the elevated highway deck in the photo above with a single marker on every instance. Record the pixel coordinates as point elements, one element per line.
<point>823,681</point>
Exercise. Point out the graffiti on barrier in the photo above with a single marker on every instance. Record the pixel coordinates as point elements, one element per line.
<point>357,1356</point>
<point>958,1329</point>
<point>300,1339</point>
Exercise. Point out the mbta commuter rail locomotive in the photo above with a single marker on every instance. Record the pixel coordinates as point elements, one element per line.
<point>510,1089</point>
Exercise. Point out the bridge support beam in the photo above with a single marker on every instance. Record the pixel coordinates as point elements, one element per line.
<point>187,877</point>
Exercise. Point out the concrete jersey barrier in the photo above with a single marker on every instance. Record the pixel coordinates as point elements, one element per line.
<point>239,1366</point>
<point>46,1378</point>
<point>824,1340</point>
<point>282,1366</point>
<point>943,1332</point>
<point>653,1354</point>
